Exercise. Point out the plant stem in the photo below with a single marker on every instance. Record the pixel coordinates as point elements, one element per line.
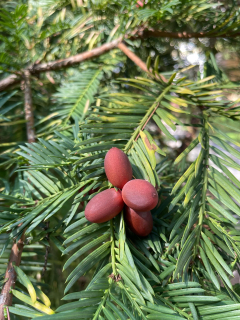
<point>131,55</point>
<point>11,276</point>
<point>146,118</point>
<point>112,249</point>
<point>61,64</point>
<point>99,309</point>
<point>17,248</point>
<point>205,180</point>
<point>28,107</point>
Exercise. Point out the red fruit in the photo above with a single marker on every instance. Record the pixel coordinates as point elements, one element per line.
<point>140,195</point>
<point>141,223</point>
<point>104,206</point>
<point>139,3</point>
<point>117,167</point>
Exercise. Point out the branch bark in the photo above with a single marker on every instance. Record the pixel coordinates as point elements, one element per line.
<point>9,81</point>
<point>60,64</point>
<point>131,55</point>
<point>28,107</point>
<point>17,248</point>
<point>141,33</point>
<point>11,276</point>
<point>152,33</point>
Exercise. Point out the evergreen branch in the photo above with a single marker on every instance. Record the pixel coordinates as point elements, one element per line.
<point>28,107</point>
<point>83,95</point>
<point>148,33</point>
<point>9,81</point>
<point>11,276</point>
<point>136,59</point>
<point>63,63</point>
<point>133,57</point>
<point>146,118</point>
<point>17,248</point>
<point>87,55</point>
<point>205,181</point>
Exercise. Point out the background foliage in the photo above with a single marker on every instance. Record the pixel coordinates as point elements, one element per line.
<point>181,134</point>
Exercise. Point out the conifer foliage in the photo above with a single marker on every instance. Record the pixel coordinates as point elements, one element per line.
<point>184,267</point>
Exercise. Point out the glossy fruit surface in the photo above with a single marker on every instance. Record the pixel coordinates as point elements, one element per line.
<point>117,167</point>
<point>141,223</point>
<point>104,206</point>
<point>140,195</point>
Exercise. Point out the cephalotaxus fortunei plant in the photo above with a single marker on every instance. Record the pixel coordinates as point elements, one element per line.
<point>124,201</point>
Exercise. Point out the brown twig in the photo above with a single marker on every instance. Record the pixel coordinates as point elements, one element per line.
<point>11,276</point>
<point>28,107</point>
<point>8,315</point>
<point>9,81</point>
<point>60,64</point>
<point>17,248</point>
<point>148,120</point>
<point>141,33</point>
<point>131,55</point>
<point>152,33</point>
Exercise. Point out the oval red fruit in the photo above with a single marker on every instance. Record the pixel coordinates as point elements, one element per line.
<point>104,206</point>
<point>140,195</point>
<point>141,223</point>
<point>117,167</point>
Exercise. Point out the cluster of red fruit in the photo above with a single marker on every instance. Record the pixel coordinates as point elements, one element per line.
<point>138,196</point>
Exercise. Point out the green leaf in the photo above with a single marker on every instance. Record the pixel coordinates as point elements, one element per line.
<point>84,249</point>
<point>131,286</point>
<point>226,146</point>
<point>183,178</point>
<point>41,295</point>
<point>222,210</point>
<point>216,264</point>
<point>216,254</point>
<point>186,252</point>
<point>87,263</point>
<point>163,128</point>
<point>37,305</point>
<point>182,292</point>
<point>199,162</point>
<point>99,275</point>
<point>120,304</point>
<point>83,294</point>
<point>109,315</point>
<point>167,272</point>
<point>193,299</point>
<point>209,268</point>
<point>25,312</point>
<point>221,164</point>
<point>225,183</point>
<point>88,229</point>
<point>116,310</point>
<point>145,163</point>
<point>78,304</point>
<point>192,145</point>
<point>193,311</point>
<point>163,316</point>
<point>165,116</point>
<point>83,313</point>
<point>222,196</point>
<point>27,283</point>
